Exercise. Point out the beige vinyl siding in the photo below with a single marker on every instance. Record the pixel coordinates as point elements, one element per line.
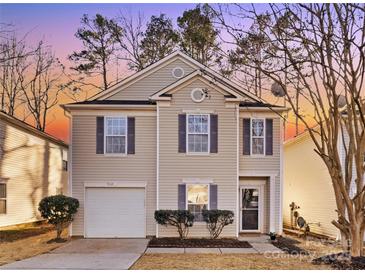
<point>87,166</point>
<point>221,167</point>
<point>308,184</point>
<point>31,167</point>
<point>262,166</point>
<point>142,89</point>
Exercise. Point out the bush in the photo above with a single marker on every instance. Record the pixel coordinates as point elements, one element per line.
<point>216,220</point>
<point>59,211</point>
<point>181,219</point>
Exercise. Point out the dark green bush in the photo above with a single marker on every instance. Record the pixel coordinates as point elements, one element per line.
<point>181,219</point>
<point>216,220</point>
<point>59,211</point>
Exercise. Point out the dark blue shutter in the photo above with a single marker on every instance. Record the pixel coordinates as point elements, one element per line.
<point>246,136</point>
<point>182,133</point>
<point>213,196</point>
<point>269,137</point>
<point>213,133</point>
<point>100,135</point>
<point>181,196</point>
<point>131,135</point>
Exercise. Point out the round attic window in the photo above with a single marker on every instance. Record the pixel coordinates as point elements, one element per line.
<point>197,95</point>
<point>178,72</point>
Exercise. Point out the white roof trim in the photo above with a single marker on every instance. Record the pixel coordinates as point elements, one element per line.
<point>184,80</point>
<point>108,106</point>
<point>114,89</point>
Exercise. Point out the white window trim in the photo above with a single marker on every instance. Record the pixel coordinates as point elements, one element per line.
<point>126,135</point>
<point>187,134</point>
<point>186,195</point>
<point>5,199</point>
<point>251,138</point>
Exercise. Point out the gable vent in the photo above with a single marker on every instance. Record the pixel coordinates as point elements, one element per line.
<point>198,95</point>
<point>178,72</point>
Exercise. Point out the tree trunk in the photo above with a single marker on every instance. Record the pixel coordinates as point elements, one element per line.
<point>59,231</point>
<point>357,235</point>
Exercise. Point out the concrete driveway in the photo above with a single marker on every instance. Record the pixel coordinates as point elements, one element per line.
<point>87,254</point>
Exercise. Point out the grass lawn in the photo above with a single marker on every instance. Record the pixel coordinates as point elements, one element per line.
<point>24,241</point>
<point>315,247</point>
<point>220,261</point>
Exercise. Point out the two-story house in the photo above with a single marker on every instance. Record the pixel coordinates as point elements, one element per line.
<point>176,135</point>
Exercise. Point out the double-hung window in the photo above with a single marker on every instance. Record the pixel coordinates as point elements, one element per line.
<point>198,200</point>
<point>116,135</point>
<point>198,133</point>
<point>2,198</point>
<point>258,136</point>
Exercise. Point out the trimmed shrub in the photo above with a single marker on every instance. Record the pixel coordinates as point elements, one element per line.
<point>59,211</point>
<point>216,220</point>
<point>181,219</point>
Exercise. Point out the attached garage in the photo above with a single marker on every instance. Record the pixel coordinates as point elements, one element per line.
<point>115,212</point>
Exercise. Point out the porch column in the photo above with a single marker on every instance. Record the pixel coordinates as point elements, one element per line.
<point>272,204</point>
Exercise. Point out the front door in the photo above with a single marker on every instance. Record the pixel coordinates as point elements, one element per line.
<point>251,208</point>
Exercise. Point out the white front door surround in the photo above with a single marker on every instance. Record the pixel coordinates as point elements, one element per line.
<point>251,213</point>
<point>266,184</point>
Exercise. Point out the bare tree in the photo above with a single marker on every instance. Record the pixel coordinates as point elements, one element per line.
<point>128,32</point>
<point>13,54</point>
<point>40,83</point>
<point>328,73</point>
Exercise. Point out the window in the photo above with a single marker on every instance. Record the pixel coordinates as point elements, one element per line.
<point>64,165</point>
<point>258,136</point>
<point>115,135</point>
<point>198,200</point>
<point>2,198</point>
<point>198,133</point>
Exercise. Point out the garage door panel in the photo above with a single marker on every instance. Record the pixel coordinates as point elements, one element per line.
<point>115,212</point>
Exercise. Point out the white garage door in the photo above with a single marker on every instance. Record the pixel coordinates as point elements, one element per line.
<point>114,212</point>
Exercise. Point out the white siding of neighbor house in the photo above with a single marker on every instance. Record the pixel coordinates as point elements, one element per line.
<point>220,167</point>
<point>89,167</point>
<point>31,167</point>
<point>262,166</point>
<point>308,184</point>
<point>155,81</point>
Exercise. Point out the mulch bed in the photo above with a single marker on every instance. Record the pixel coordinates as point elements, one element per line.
<point>197,243</point>
<point>342,261</point>
<point>289,246</point>
<point>16,233</point>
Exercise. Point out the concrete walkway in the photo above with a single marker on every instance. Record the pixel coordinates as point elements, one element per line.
<point>257,248</point>
<point>87,254</point>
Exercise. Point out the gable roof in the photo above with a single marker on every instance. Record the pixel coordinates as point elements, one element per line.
<point>233,86</point>
<point>234,94</point>
<point>32,130</point>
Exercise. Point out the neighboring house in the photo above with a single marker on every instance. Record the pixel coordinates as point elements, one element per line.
<point>175,135</point>
<point>33,164</point>
<point>308,184</point>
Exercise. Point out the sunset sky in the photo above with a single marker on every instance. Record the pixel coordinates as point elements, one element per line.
<point>57,24</point>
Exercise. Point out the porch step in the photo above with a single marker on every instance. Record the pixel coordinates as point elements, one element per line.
<point>254,238</point>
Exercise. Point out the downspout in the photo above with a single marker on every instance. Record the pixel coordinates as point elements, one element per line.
<point>158,163</point>
<point>237,169</point>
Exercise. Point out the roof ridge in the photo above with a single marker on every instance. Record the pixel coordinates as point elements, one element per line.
<point>25,125</point>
